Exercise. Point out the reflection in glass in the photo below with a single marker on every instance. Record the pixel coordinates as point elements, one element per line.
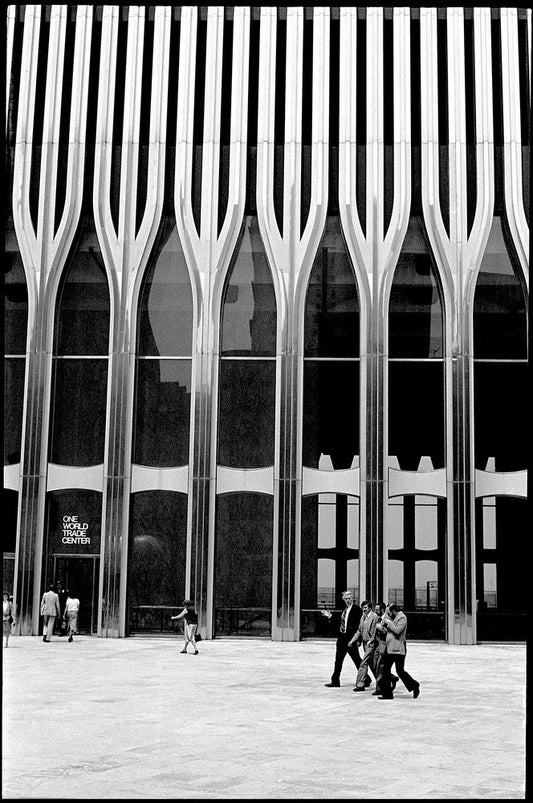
<point>156,559</point>
<point>166,307</point>
<point>248,326</point>
<point>78,412</point>
<point>500,317</point>
<point>246,419</point>
<point>415,310</point>
<point>332,306</point>
<point>243,564</point>
<point>14,371</point>
<point>15,296</point>
<point>162,412</point>
<point>331,413</point>
<point>82,314</point>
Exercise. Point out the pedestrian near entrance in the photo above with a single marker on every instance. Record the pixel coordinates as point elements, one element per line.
<point>190,625</point>
<point>394,622</point>
<point>350,619</point>
<point>72,607</point>
<point>50,611</point>
<point>8,615</point>
<point>366,633</point>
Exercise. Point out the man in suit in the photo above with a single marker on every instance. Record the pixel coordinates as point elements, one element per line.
<point>350,619</point>
<point>366,633</point>
<point>49,610</point>
<point>394,622</point>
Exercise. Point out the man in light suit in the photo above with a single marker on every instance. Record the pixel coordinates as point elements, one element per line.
<point>394,622</point>
<point>350,619</point>
<point>50,610</point>
<point>366,633</point>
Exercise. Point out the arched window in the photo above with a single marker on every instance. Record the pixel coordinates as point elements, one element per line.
<point>164,348</point>
<point>501,423</point>
<point>81,343</point>
<point>330,430</point>
<point>246,429</point>
<point>416,433</point>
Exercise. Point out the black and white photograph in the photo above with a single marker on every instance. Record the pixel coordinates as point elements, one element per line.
<point>266,402</point>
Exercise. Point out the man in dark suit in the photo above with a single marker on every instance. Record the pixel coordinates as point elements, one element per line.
<point>350,619</point>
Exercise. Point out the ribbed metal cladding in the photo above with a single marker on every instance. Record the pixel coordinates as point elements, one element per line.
<point>127,234</point>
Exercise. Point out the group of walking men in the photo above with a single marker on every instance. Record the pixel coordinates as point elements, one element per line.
<point>381,631</point>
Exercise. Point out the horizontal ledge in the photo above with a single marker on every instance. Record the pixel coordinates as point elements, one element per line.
<point>83,477</point>
<point>146,478</point>
<point>342,481</point>
<point>501,483</point>
<point>255,480</point>
<point>424,483</point>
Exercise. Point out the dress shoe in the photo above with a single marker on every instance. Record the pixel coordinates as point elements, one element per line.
<point>359,688</point>
<point>375,693</point>
<point>416,690</point>
<point>385,697</point>
<point>70,638</point>
<point>332,685</point>
<point>368,682</point>
<point>44,638</point>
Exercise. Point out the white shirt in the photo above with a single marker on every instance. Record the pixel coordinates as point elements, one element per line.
<point>72,605</point>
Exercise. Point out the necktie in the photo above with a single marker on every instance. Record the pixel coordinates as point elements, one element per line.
<point>343,620</point>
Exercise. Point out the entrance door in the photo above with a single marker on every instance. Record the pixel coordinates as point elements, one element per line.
<point>80,576</point>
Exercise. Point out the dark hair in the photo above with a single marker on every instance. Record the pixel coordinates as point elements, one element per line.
<point>51,587</point>
<point>187,603</point>
<point>366,602</point>
<point>382,605</point>
<point>393,607</point>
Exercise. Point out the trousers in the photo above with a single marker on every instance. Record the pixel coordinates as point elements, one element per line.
<point>341,651</point>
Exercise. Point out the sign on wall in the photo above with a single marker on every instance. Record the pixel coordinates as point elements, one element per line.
<point>74,522</point>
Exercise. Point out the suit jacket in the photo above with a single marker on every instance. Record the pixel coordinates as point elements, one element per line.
<point>352,621</point>
<point>396,634</point>
<point>50,604</point>
<point>367,627</point>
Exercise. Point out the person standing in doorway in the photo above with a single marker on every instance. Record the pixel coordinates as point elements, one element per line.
<point>8,615</point>
<point>190,625</point>
<point>366,633</point>
<point>72,607</point>
<point>350,618</point>
<point>394,622</point>
<point>50,611</point>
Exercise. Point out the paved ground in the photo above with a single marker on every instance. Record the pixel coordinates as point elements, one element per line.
<point>133,718</point>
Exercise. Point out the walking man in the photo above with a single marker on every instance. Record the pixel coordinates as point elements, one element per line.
<point>367,634</point>
<point>350,618</point>
<point>394,622</point>
<point>50,611</point>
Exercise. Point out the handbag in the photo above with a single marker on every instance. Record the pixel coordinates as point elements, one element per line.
<point>197,636</point>
<point>63,625</point>
<point>10,620</point>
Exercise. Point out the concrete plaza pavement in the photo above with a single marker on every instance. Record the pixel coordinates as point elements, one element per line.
<point>134,718</point>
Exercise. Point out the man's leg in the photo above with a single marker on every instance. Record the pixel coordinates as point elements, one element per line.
<point>340,654</point>
<point>408,681</point>
<point>385,678</point>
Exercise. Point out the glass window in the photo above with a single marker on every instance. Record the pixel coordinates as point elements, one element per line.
<point>249,304</point>
<point>78,412</point>
<point>416,413</point>
<point>15,296</point>
<point>332,305</point>
<point>415,310</point>
<point>500,318</point>
<point>247,407</point>
<point>166,307</point>
<point>14,371</point>
<point>162,412</point>
<point>82,316</point>
<point>331,413</point>
<point>502,416</point>
<point>156,559</point>
<point>243,564</point>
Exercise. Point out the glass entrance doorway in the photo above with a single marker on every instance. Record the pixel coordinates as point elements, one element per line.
<point>80,576</point>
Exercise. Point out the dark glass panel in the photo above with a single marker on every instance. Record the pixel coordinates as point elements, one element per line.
<point>243,563</point>
<point>14,370</point>
<point>162,412</point>
<point>415,309</point>
<point>156,558</point>
<point>500,318</point>
<point>78,412</point>
<point>249,303</point>
<point>416,413</point>
<point>246,413</point>
<point>502,584</point>
<point>331,413</point>
<point>331,305</point>
<point>165,312</point>
<point>502,416</point>
<point>82,318</point>
<point>15,297</point>
<point>9,522</point>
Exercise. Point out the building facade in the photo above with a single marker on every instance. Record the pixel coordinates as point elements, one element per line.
<point>266,315</point>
